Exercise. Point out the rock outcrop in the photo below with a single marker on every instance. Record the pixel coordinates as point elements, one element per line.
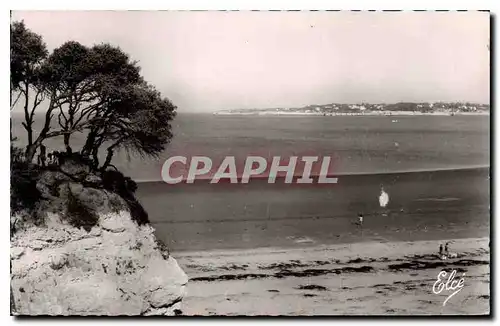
<point>56,188</point>
<point>116,268</point>
<point>87,249</point>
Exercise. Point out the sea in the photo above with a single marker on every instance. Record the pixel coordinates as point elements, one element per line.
<point>434,170</point>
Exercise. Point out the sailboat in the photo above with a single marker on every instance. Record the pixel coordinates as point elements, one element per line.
<point>383,199</point>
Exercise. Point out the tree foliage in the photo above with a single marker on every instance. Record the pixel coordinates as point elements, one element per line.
<point>95,90</point>
<point>27,54</point>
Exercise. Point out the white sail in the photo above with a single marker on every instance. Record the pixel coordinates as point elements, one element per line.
<point>383,198</point>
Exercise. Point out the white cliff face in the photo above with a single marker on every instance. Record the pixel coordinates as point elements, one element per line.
<point>118,268</point>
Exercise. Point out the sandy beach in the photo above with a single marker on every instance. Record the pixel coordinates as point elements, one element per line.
<point>347,279</point>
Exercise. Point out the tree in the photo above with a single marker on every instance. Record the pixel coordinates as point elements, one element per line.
<point>27,52</point>
<point>97,91</point>
<point>135,121</point>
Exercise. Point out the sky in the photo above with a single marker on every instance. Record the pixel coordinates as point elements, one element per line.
<point>207,61</point>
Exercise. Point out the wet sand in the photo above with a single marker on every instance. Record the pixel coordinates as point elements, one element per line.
<point>351,279</point>
<point>423,206</point>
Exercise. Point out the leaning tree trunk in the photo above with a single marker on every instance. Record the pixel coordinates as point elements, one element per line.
<point>30,152</point>
<point>89,142</point>
<point>66,143</point>
<point>109,157</point>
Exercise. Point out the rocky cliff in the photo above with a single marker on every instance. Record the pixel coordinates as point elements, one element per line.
<point>118,268</point>
<point>82,253</point>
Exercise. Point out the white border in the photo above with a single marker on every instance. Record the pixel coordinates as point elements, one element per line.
<point>255,5</point>
<point>199,5</point>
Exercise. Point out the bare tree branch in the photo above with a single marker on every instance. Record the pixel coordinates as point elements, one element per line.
<point>16,100</point>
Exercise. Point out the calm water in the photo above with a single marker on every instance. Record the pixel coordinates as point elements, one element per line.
<point>427,205</point>
<point>372,144</point>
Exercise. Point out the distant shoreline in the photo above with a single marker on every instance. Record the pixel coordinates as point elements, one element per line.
<point>371,113</point>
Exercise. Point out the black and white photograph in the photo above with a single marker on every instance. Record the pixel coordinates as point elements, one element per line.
<point>250,163</point>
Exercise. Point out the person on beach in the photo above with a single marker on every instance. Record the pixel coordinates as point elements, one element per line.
<point>442,253</point>
<point>360,219</point>
<point>448,253</point>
